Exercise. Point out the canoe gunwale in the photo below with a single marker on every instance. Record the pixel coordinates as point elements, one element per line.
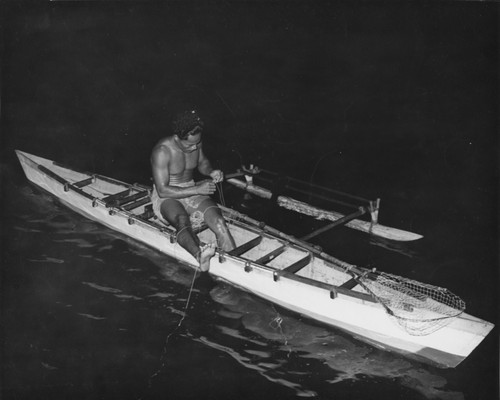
<point>277,274</point>
<point>97,201</point>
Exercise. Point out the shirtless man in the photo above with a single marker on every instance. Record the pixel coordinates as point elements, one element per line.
<point>176,196</point>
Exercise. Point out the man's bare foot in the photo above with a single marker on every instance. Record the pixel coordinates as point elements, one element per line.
<point>207,251</point>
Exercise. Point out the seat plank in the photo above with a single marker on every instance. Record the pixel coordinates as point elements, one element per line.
<point>351,283</point>
<point>238,251</point>
<point>298,265</point>
<point>148,212</point>
<point>129,199</point>
<point>109,199</point>
<point>84,182</point>
<point>271,255</point>
<point>294,268</point>
<point>136,204</point>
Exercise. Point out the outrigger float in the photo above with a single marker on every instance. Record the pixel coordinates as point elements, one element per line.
<point>283,183</point>
<point>388,311</point>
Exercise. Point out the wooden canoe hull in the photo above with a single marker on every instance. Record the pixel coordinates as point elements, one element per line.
<point>306,292</point>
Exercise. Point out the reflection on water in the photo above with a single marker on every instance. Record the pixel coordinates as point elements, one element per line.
<point>347,358</point>
<point>398,247</point>
<point>251,360</point>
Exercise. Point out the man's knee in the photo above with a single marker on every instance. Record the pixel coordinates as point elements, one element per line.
<point>181,220</point>
<point>174,213</point>
<point>220,223</point>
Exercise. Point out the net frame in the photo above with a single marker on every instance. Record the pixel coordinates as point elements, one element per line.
<point>419,308</point>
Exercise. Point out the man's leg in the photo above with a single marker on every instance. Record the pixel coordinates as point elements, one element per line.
<point>176,215</point>
<point>215,221</point>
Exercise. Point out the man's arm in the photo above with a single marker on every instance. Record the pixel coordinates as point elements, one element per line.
<point>204,165</point>
<point>205,168</point>
<point>160,159</point>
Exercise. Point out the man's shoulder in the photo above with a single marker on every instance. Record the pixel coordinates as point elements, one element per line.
<point>162,149</point>
<point>163,145</point>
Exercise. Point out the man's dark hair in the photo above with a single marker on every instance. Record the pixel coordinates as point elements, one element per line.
<point>185,124</point>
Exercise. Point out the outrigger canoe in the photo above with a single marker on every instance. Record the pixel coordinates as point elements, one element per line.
<point>390,312</point>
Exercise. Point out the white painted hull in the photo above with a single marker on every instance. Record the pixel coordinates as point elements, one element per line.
<point>360,316</point>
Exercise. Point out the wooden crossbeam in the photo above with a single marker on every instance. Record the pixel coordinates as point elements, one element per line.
<point>271,255</point>
<point>109,199</point>
<point>294,268</point>
<point>67,186</point>
<point>129,199</point>
<point>238,251</point>
<point>341,221</point>
<point>297,266</point>
<point>148,212</point>
<point>141,186</point>
<point>84,182</point>
<point>349,284</point>
<point>136,204</point>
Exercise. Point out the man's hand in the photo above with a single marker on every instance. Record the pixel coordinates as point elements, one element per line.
<point>217,175</point>
<point>205,187</point>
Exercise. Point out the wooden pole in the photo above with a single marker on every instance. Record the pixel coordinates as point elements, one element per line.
<point>341,221</point>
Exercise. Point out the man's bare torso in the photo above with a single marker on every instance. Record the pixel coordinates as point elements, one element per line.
<point>180,164</point>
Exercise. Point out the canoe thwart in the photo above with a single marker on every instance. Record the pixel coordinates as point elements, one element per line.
<point>238,251</point>
<point>271,255</point>
<point>108,200</point>
<point>129,199</point>
<point>84,182</point>
<point>136,204</point>
<point>67,186</point>
<point>294,268</point>
<point>351,283</point>
<point>148,212</point>
<point>297,266</point>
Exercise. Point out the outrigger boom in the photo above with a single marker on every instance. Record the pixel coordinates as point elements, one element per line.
<point>280,183</point>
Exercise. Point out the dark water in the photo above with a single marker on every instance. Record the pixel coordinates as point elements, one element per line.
<point>397,101</point>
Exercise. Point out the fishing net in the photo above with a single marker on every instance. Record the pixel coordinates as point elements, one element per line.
<point>418,307</point>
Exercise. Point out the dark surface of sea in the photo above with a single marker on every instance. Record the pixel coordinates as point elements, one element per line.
<point>382,99</point>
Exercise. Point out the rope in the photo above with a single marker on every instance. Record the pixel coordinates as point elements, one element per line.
<point>221,193</point>
<point>163,358</point>
<point>276,324</point>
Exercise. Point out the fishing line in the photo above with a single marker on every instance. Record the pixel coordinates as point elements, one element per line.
<point>238,154</point>
<point>224,102</point>
<point>163,358</point>
<point>221,193</point>
<point>276,324</point>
